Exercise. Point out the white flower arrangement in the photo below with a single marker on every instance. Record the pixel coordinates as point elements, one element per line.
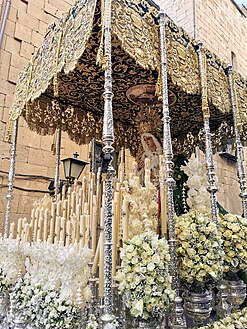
<point>48,283</point>
<point>92,323</point>
<point>12,261</point>
<point>44,308</point>
<point>233,321</point>
<point>59,268</point>
<point>144,281</point>
<point>143,207</point>
<point>198,196</point>
<point>233,231</point>
<point>199,249</point>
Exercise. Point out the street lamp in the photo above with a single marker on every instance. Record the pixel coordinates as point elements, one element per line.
<point>73,168</point>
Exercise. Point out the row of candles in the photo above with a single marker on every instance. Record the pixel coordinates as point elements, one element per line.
<point>77,216</point>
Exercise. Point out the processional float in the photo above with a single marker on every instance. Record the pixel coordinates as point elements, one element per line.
<point>153,74</point>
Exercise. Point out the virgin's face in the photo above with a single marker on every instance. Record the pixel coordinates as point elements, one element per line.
<point>150,142</point>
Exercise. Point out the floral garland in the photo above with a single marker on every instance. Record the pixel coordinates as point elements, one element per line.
<point>144,282</point>
<point>199,251</point>
<point>235,320</point>
<point>143,207</point>
<point>233,231</point>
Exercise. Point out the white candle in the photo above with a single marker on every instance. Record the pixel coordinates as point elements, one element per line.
<point>63,226</point>
<point>46,224</point>
<point>57,229</point>
<point>19,226</point>
<point>68,232</point>
<point>82,230</point>
<point>125,219</point>
<point>12,230</point>
<point>39,229</point>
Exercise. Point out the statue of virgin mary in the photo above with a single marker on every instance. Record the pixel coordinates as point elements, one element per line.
<point>152,149</point>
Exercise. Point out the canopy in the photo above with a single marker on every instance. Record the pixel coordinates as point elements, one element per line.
<point>64,69</point>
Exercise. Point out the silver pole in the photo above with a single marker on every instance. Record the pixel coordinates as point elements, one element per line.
<point>194,18</point>
<point>177,314</point>
<point>58,153</point>
<point>108,139</point>
<point>4,21</point>
<point>11,178</point>
<point>240,153</point>
<point>209,152</point>
<point>93,158</point>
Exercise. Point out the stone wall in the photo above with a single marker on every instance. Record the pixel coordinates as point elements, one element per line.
<point>221,26</point>
<point>24,32</point>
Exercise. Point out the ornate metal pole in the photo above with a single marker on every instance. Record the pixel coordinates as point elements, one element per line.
<point>177,315</point>
<point>58,152</point>
<point>240,153</point>
<point>108,139</point>
<point>93,158</point>
<point>11,179</point>
<point>209,152</point>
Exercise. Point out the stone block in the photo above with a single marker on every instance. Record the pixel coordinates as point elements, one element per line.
<point>12,45</point>
<point>13,74</point>
<point>42,27</point>
<point>36,39</point>
<point>28,20</point>
<point>5,113</point>
<point>22,153</point>
<point>18,61</point>
<point>62,5</point>
<point>2,101</point>
<point>36,10</point>
<point>22,33</point>
<point>5,62</point>
<point>19,5</point>
<point>12,14</point>
<point>46,142</point>
<point>30,169</point>
<point>26,137</point>
<point>49,9</point>
<point>6,87</point>
<point>10,28</point>
<point>26,50</point>
<point>40,157</point>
